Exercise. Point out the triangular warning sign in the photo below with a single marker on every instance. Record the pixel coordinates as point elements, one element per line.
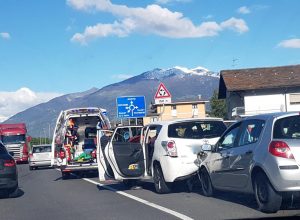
<point>162,92</point>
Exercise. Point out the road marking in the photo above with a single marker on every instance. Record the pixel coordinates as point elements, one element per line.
<point>145,202</point>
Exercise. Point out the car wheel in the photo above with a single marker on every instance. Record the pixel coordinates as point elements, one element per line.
<point>159,181</point>
<point>268,200</point>
<point>206,184</point>
<point>30,168</point>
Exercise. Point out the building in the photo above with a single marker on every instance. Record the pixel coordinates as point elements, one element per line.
<point>176,110</point>
<point>260,90</point>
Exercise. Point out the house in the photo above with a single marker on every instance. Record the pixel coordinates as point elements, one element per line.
<point>176,110</point>
<point>260,90</point>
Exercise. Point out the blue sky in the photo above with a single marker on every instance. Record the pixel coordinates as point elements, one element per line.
<point>57,47</point>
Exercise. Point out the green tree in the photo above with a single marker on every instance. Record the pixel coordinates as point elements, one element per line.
<point>218,106</point>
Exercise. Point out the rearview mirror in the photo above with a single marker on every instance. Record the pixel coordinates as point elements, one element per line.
<point>28,138</point>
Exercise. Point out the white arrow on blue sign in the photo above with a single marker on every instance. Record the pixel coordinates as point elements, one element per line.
<point>131,107</point>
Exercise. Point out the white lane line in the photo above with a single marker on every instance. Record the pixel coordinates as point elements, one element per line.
<point>161,208</point>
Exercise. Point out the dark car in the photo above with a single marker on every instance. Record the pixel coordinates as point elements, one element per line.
<point>8,173</point>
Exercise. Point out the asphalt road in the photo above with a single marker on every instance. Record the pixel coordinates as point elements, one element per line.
<point>44,195</point>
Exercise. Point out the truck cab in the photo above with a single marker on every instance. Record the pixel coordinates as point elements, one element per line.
<point>13,136</point>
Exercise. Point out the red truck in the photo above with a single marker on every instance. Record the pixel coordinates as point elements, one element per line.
<point>14,137</point>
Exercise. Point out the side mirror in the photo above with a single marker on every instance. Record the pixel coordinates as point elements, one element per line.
<point>206,147</point>
<point>29,138</point>
<point>11,153</point>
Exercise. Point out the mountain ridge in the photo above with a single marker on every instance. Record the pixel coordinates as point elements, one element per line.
<point>183,84</point>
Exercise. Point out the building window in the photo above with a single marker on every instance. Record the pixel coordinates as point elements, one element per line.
<point>194,106</point>
<point>295,99</point>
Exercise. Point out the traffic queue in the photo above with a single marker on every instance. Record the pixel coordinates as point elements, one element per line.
<point>258,155</point>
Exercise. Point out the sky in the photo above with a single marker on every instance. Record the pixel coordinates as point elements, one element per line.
<point>54,47</point>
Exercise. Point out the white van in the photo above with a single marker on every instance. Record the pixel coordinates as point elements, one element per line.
<point>75,139</point>
<point>163,151</point>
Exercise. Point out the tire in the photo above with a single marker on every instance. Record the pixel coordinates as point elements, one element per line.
<point>206,184</point>
<point>30,168</point>
<point>268,200</point>
<point>160,184</point>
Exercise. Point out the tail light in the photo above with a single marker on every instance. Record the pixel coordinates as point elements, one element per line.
<point>62,154</point>
<point>9,163</point>
<point>171,149</point>
<point>93,154</point>
<point>280,149</point>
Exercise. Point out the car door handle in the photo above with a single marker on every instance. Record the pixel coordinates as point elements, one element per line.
<point>249,152</point>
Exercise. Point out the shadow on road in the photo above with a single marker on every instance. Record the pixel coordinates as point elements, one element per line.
<point>72,176</point>
<point>18,193</point>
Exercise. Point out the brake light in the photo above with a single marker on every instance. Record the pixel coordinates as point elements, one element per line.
<point>62,154</point>
<point>280,149</point>
<point>93,154</point>
<point>171,149</point>
<point>9,163</point>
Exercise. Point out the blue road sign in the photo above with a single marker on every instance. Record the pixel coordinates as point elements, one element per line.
<point>131,107</point>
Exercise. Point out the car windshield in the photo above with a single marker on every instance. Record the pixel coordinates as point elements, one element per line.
<point>41,149</point>
<point>13,139</point>
<point>196,129</point>
<point>2,149</point>
<point>287,128</point>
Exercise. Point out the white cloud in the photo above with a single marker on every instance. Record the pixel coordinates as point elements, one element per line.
<point>244,10</point>
<point>171,1</point>
<point>122,76</point>
<point>238,25</point>
<point>291,43</point>
<point>13,102</point>
<point>5,35</point>
<point>153,19</point>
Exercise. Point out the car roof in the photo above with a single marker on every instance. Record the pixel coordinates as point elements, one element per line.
<point>272,115</point>
<point>167,122</point>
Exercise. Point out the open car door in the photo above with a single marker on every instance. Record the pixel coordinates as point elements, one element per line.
<point>123,155</point>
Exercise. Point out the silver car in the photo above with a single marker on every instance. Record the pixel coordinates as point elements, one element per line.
<point>260,155</point>
<point>40,156</point>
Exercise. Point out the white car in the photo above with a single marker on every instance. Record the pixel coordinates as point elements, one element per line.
<point>40,156</point>
<point>165,151</point>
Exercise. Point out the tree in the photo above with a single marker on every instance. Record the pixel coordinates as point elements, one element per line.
<point>218,106</point>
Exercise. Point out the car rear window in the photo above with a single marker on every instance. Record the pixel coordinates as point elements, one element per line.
<point>41,149</point>
<point>287,128</point>
<point>196,129</point>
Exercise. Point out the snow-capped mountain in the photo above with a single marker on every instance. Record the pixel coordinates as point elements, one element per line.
<point>184,85</point>
<point>178,72</point>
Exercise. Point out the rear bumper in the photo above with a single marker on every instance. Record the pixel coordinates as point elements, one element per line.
<point>175,168</point>
<point>79,167</point>
<point>8,184</point>
<point>40,163</point>
<point>284,174</point>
